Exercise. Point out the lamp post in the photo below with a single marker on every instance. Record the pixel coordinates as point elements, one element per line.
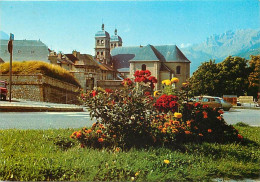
<point>10,50</point>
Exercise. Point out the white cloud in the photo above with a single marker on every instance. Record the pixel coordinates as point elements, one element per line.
<point>183,45</point>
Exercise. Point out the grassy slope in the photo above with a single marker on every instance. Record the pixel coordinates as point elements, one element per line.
<point>34,67</point>
<point>40,155</point>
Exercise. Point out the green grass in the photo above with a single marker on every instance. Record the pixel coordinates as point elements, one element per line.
<point>36,67</point>
<point>30,155</point>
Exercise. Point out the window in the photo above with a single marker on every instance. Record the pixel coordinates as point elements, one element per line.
<point>32,52</point>
<point>97,53</point>
<point>97,41</point>
<point>143,67</point>
<point>101,53</point>
<point>19,51</point>
<point>102,41</point>
<point>178,70</point>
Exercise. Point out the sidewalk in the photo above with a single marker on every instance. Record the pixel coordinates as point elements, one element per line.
<point>32,106</point>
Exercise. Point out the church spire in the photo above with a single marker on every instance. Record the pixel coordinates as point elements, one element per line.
<point>103,26</point>
<point>115,31</point>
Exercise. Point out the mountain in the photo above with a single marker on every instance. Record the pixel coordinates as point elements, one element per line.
<point>4,36</point>
<point>242,43</point>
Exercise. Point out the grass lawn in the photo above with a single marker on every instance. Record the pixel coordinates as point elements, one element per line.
<point>30,155</point>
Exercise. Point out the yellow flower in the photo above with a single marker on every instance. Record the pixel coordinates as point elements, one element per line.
<point>166,161</point>
<point>156,94</point>
<point>174,80</point>
<point>137,173</point>
<point>177,115</point>
<point>184,84</point>
<point>166,82</point>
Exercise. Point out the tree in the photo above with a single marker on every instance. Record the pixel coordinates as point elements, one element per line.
<point>233,75</point>
<point>205,80</point>
<point>254,77</point>
<point>230,77</point>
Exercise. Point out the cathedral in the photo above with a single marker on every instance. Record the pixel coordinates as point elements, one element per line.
<point>164,61</point>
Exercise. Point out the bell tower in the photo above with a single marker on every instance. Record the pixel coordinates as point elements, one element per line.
<point>115,41</point>
<point>102,46</point>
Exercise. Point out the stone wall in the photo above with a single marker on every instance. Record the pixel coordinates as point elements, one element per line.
<point>42,88</point>
<point>111,84</point>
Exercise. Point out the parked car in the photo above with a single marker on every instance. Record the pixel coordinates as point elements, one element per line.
<point>212,102</point>
<point>3,90</point>
<point>224,104</point>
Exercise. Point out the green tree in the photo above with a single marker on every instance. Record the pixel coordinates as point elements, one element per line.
<point>233,75</point>
<point>254,77</point>
<point>205,80</point>
<point>225,78</point>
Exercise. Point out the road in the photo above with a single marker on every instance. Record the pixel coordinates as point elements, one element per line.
<point>249,116</point>
<point>44,120</point>
<point>55,120</point>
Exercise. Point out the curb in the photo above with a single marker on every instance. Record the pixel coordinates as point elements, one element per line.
<point>39,109</point>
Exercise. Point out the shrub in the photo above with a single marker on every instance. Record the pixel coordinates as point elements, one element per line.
<point>133,117</point>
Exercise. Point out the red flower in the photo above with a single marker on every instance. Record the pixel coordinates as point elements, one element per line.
<point>205,114</point>
<point>100,140</point>
<point>209,130</point>
<point>108,90</point>
<point>147,93</point>
<point>148,73</point>
<point>220,112</point>
<point>78,135</point>
<point>94,93</point>
<point>197,104</point>
<point>239,136</point>
<point>205,106</point>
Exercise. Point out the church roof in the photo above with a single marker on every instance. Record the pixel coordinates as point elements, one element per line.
<point>102,33</point>
<point>115,38</point>
<point>122,56</point>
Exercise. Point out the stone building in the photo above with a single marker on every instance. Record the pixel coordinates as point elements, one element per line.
<point>24,50</point>
<point>164,62</point>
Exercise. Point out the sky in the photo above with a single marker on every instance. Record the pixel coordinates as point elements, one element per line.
<point>71,25</point>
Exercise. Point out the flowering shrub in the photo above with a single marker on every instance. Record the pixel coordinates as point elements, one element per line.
<point>134,116</point>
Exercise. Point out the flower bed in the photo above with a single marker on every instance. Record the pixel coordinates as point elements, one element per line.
<point>132,117</point>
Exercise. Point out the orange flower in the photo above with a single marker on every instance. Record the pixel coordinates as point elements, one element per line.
<point>166,124</point>
<point>98,131</point>
<point>175,131</point>
<point>219,117</point>
<point>160,127</point>
<point>164,130</point>
<point>200,134</point>
<point>187,132</point>
<point>101,126</point>
<point>239,136</point>
<point>88,131</point>
<point>103,135</point>
<point>176,122</point>
<point>117,149</point>
<point>195,127</point>
<point>209,130</point>
<point>114,136</point>
<point>205,114</point>
<point>100,140</point>
<point>78,135</point>
<point>220,112</point>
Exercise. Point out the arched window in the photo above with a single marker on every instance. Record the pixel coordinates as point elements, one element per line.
<point>143,67</point>
<point>178,70</point>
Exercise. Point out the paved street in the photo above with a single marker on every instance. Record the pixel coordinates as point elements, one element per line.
<point>249,116</point>
<point>45,120</point>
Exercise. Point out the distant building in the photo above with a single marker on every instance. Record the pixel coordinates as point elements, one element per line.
<point>164,62</point>
<point>24,50</point>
